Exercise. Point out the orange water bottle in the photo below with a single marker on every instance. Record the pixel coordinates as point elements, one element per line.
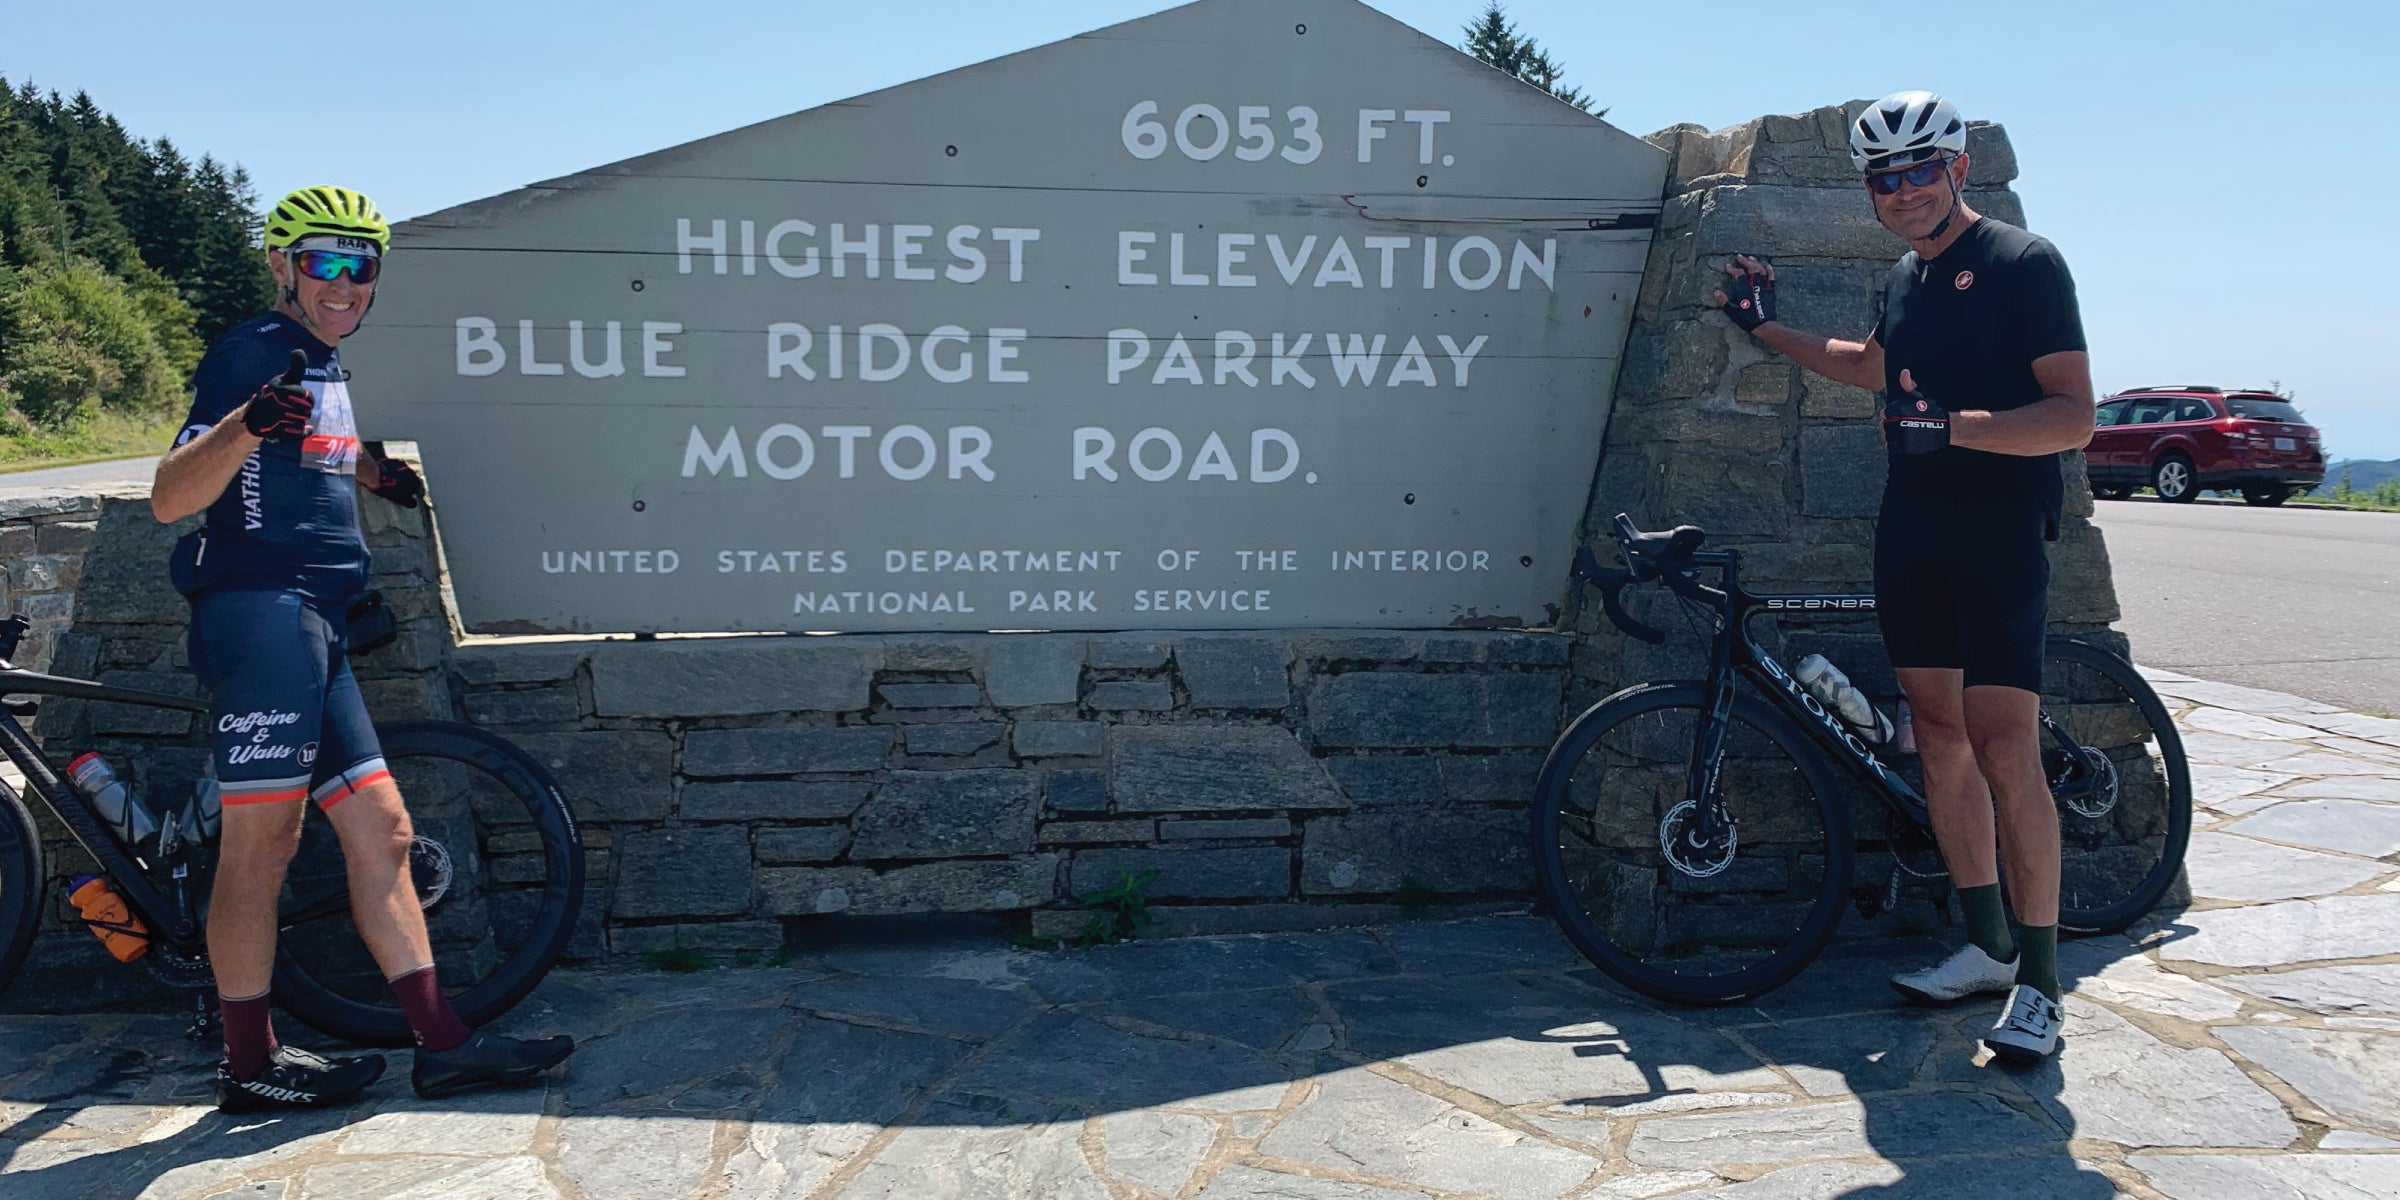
<point>105,913</point>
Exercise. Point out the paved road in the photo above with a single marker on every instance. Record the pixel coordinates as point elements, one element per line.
<point>123,470</point>
<point>1477,1057</point>
<point>2298,600</point>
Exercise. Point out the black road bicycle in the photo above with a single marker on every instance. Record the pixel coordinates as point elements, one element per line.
<point>497,863</point>
<point>1691,839</point>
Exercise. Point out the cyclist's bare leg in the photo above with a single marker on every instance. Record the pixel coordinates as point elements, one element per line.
<point>256,845</point>
<point>375,833</point>
<point>2004,724</point>
<point>1956,793</point>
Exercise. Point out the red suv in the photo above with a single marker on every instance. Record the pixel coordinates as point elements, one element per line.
<point>2182,440</point>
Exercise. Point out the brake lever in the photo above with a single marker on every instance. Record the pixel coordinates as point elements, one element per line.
<point>1611,583</point>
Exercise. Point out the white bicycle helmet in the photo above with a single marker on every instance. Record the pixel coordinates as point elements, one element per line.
<point>1905,128</point>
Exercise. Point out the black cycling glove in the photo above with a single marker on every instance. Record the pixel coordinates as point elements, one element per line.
<point>280,411</point>
<point>398,482</point>
<point>1750,297</point>
<point>1913,424</point>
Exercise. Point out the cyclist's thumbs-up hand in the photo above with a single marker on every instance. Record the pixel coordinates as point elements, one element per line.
<point>1913,424</point>
<point>281,410</point>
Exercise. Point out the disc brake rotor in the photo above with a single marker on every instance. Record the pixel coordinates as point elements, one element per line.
<point>1699,860</point>
<point>2086,782</point>
<point>429,867</point>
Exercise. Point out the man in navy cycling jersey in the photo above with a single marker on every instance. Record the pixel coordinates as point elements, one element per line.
<point>1980,354</point>
<point>270,452</point>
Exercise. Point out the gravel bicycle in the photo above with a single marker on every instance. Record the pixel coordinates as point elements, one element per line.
<point>497,863</point>
<point>1691,838</point>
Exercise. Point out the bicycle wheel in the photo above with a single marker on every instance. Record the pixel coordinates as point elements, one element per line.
<point>2124,791</point>
<point>1717,927</point>
<point>20,884</point>
<point>498,866</point>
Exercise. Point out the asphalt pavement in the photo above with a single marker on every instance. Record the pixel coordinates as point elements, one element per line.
<point>2294,599</point>
<point>123,470</point>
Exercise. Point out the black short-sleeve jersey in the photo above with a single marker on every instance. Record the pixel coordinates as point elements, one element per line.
<point>289,519</point>
<point>1968,326</point>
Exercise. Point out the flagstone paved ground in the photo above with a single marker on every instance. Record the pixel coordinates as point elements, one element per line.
<point>2248,1046</point>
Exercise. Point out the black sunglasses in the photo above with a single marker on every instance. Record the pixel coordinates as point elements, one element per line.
<point>1886,183</point>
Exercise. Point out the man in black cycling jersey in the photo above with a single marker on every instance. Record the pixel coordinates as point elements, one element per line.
<point>1980,355</point>
<point>270,452</point>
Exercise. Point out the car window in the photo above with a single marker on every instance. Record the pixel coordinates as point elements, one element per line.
<point>2263,410</point>
<point>2149,412</point>
<point>2111,414</point>
<point>2193,410</point>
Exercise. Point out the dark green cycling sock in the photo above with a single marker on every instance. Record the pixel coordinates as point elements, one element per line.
<point>2037,966</point>
<point>1987,921</point>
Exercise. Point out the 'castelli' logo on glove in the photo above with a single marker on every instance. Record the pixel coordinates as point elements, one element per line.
<point>1965,280</point>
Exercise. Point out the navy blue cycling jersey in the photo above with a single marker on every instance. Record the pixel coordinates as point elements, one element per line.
<point>289,520</point>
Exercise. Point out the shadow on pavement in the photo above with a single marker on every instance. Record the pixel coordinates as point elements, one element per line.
<point>1477,1056</point>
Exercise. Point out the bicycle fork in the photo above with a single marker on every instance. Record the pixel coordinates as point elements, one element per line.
<point>1709,824</point>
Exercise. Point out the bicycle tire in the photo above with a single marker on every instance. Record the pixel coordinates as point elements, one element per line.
<point>2162,874</point>
<point>21,884</point>
<point>1551,798</point>
<point>300,991</point>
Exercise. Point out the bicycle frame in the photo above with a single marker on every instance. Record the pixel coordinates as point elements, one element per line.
<point>126,871</point>
<point>1735,654</point>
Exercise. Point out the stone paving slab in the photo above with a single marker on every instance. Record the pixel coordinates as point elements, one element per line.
<point>2247,1046</point>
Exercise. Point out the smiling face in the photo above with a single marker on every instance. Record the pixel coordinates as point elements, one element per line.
<point>331,309</point>
<point>1914,212</point>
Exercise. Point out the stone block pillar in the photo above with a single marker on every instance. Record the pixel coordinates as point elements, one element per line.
<point>1711,428</point>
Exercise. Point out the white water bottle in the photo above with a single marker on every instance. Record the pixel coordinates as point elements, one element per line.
<point>1833,689</point>
<point>125,814</point>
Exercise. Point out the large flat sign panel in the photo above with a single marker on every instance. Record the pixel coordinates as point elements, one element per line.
<point>1248,314</point>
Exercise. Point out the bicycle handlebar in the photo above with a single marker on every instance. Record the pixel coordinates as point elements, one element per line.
<point>1612,583</point>
<point>1668,556</point>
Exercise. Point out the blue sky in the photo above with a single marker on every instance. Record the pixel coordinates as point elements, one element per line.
<point>2221,176</point>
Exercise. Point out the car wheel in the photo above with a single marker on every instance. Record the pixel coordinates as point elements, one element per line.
<point>2266,497</point>
<point>2175,480</point>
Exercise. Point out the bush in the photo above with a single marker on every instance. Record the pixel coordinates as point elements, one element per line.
<point>58,381</point>
<point>58,320</point>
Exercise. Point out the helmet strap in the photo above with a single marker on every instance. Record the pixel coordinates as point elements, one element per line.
<point>1952,215</point>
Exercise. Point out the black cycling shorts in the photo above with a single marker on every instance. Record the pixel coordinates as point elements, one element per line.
<point>286,720</point>
<point>1966,589</point>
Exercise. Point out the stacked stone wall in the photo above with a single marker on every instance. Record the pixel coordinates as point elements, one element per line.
<point>1712,428</point>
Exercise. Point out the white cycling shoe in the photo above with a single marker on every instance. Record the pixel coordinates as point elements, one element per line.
<point>1969,972</point>
<point>2028,1029</point>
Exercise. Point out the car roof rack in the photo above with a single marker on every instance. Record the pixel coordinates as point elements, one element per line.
<point>2175,387</point>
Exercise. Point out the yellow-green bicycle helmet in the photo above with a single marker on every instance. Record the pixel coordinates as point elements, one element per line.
<point>326,210</point>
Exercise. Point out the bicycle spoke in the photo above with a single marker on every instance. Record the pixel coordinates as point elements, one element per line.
<point>2123,792</point>
<point>1692,920</point>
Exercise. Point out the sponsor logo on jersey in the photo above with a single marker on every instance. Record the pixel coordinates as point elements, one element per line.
<point>1965,280</point>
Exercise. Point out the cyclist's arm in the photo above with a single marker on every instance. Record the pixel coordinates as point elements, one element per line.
<point>1859,364</point>
<point>194,474</point>
<point>2061,420</point>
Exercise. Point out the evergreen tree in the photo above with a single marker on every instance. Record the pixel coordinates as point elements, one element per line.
<point>1494,39</point>
<point>119,260</point>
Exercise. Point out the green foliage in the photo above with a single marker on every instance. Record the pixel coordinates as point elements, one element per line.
<point>1415,893</point>
<point>1118,912</point>
<point>1494,39</point>
<point>679,961</point>
<point>119,260</point>
<point>2342,492</point>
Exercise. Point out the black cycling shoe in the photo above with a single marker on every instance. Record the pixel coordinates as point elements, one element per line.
<point>486,1060</point>
<point>295,1078</point>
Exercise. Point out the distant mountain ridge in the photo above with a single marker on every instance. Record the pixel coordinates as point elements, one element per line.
<point>2365,473</point>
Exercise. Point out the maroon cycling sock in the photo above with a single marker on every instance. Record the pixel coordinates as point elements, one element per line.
<point>429,1013</point>
<point>249,1034</point>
